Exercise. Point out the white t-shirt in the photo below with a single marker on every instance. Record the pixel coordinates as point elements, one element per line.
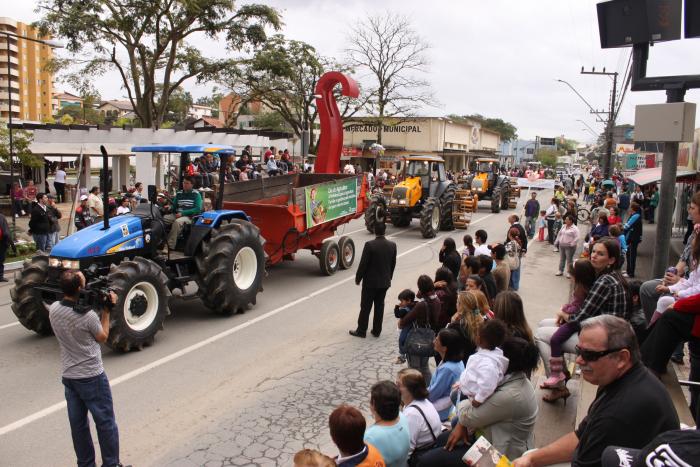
<point>482,249</point>
<point>60,176</point>
<point>420,432</point>
<point>123,210</point>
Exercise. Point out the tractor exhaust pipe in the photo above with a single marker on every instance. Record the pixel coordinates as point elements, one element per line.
<point>105,188</point>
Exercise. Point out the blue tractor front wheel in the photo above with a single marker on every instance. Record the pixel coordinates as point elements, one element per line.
<point>142,303</point>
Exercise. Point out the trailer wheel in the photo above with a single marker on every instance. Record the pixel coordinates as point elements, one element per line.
<point>447,201</point>
<point>375,213</point>
<point>329,258</point>
<point>505,196</point>
<point>347,252</point>
<point>27,304</point>
<point>430,218</point>
<point>142,304</point>
<point>231,267</point>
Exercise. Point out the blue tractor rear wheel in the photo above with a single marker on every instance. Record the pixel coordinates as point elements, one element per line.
<point>231,265</point>
<point>27,302</point>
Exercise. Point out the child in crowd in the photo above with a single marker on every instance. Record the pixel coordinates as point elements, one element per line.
<point>475,283</point>
<point>407,300</point>
<point>485,369</point>
<point>469,247</point>
<point>583,276</point>
<point>558,223</point>
<point>483,302</point>
<point>541,226</point>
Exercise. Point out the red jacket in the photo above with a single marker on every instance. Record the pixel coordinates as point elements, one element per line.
<point>690,305</point>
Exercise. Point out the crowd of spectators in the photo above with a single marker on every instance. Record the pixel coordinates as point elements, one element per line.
<point>485,354</point>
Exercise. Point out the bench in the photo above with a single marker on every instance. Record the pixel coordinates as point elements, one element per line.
<point>670,381</point>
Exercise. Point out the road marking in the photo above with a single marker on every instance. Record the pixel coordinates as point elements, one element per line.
<point>5,326</point>
<point>187,350</point>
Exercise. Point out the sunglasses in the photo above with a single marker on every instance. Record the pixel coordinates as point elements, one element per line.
<point>595,355</point>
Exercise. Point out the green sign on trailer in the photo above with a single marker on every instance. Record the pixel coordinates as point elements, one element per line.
<point>328,201</point>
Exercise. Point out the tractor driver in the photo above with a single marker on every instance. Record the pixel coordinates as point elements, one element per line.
<point>187,203</point>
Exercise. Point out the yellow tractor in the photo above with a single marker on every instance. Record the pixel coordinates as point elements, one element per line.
<point>424,193</point>
<point>487,183</point>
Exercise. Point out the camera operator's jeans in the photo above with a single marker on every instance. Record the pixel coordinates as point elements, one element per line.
<point>93,395</point>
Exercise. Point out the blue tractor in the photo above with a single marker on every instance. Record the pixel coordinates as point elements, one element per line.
<point>221,251</point>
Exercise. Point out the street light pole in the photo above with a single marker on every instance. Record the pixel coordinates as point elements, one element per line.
<point>52,44</point>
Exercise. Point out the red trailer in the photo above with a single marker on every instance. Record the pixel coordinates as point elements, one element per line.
<point>301,211</point>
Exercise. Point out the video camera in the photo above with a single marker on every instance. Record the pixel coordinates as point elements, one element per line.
<point>96,294</point>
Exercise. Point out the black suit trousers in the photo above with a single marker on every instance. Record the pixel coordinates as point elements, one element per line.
<point>370,296</point>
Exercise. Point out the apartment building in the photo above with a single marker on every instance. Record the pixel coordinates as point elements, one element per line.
<point>30,85</point>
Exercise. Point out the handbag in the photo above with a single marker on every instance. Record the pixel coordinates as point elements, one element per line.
<point>419,451</point>
<point>513,258</point>
<point>419,341</point>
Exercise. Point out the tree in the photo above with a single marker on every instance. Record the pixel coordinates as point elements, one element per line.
<point>283,75</point>
<point>393,55</point>
<point>272,121</point>
<point>507,130</point>
<point>21,140</point>
<point>145,41</point>
<point>179,105</point>
<point>212,101</point>
<point>548,157</point>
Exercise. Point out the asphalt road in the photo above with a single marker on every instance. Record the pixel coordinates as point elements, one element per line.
<point>249,389</point>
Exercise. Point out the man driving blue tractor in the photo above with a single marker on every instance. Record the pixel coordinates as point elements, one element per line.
<point>187,203</point>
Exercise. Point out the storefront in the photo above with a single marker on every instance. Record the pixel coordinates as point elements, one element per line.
<point>424,135</point>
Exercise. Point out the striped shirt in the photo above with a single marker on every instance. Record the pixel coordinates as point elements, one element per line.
<point>81,356</point>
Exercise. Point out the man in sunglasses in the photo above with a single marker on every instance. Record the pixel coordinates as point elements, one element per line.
<point>631,406</point>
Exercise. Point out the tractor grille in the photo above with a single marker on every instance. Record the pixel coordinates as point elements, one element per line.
<point>399,192</point>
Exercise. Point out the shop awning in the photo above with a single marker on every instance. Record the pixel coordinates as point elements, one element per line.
<point>647,176</point>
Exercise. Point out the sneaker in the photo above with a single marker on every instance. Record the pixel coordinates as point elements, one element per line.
<point>559,273</point>
<point>24,213</point>
<point>567,275</point>
<point>17,216</point>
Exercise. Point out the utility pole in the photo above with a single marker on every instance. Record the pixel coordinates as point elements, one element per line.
<point>610,124</point>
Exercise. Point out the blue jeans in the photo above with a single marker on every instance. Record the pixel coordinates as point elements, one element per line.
<point>93,395</point>
<point>515,277</point>
<point>43,242</point>
<point>530,226</point>
<point>402,340</point>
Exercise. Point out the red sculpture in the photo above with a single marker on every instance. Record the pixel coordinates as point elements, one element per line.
<point>330,144</point>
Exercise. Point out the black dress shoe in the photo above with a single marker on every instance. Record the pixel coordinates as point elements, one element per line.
<point>357,334</point>
<point>375,334</point>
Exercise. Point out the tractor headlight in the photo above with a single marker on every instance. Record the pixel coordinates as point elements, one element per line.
<point>64,263</point>
<point>394,201</point>
<point>402,202</point>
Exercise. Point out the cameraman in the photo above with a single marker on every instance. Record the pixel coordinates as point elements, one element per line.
<point>79,332</point>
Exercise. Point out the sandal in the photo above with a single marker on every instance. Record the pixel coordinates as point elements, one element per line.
<point>556,394</point>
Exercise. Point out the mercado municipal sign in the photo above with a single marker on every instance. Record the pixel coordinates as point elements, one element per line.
<point>371,128</point>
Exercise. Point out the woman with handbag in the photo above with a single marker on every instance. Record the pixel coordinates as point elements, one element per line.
<point>514,253</point>
<point>506,418</point>
<point>423,420</point>
<point>422,320</point>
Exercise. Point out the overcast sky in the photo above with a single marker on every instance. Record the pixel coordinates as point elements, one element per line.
<point>499,58</point>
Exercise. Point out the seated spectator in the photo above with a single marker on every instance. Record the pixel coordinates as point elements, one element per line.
<point>631,406</point>
<point>467,321</point>
<point>423,420</point>
<point>487,276</point>
<point>272,168</point>
<point>485,369</point>
<point>83,217</point>
<point>448,344</point>
<point>508,307</point>
<point>506,419</point>
<point>608,295</point>
<point>311,458</point>
<point>390,433</point>
<point>347,428</point>
<point>30,191</point>
<point>672,448</point>
<point>124,205</point>
<point>18,200</point>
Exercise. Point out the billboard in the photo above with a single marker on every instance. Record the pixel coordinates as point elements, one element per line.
<point>328,201</point>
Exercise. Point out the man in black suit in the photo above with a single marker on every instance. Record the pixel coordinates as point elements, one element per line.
<point>375,272</point>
